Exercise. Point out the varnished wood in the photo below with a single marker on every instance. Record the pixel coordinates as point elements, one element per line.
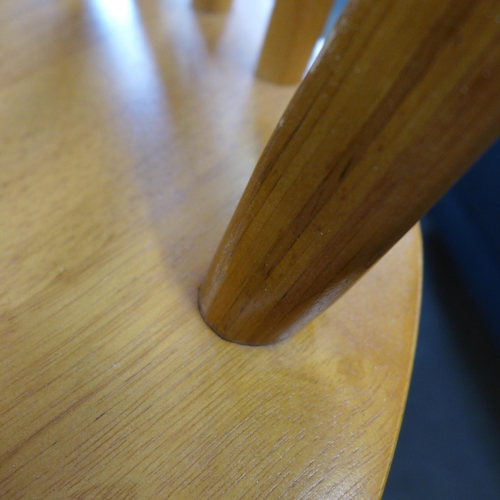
<point>400,102</point>
<point>212,5</point>
<point>125,146</point>
<point>294,28</point>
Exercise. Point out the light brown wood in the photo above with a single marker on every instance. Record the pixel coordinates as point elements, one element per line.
<point>125,148</point>
<point>294,28</point>
<point>212,5</point>
<point>398,105</point>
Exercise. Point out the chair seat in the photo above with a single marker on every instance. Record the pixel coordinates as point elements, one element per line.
<point>129,134</point>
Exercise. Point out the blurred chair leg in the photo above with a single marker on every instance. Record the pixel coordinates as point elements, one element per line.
<point>293,31</point>
<point>212,5</point>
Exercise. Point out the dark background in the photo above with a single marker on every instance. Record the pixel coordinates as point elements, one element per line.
<point>449,446</point>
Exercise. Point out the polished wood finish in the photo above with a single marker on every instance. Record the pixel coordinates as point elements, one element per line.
<point>126,145</point>
<point>218,6</point>
<point>294,28</point>
<point>397,106</point>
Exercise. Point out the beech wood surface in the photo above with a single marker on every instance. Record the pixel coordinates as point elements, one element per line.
<point>129,131</point>
<point>293,31</point>
<point>216,6</point>
<point>398,105</point>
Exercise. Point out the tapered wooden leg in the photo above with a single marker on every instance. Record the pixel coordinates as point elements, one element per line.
<point>402,101</point>
<point>212,5</point>
<point>294,28</point>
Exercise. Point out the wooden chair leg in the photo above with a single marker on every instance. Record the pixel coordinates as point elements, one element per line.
<point>212,5</point>
<point>294,28</point>
<point>402,101</point>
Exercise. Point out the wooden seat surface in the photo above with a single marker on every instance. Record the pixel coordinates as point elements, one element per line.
<point>128,133</point>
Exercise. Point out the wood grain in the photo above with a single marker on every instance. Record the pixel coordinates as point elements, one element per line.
<point>294,29</point>
<point>398,105</point>
<point>126,145</point>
